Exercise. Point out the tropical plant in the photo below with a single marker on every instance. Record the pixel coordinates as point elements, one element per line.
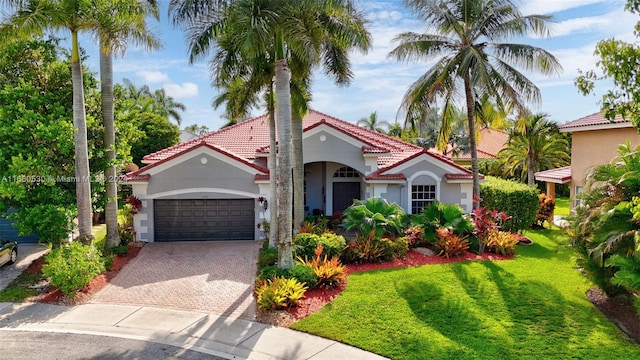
<point>279,293</point>
<point>471,37</point>
<point>608,225</point>
<point>166,106</point>
<point>546,206</point>
<point>301,272</point>
<point>485,223</point>
<point>330,272</point>
<point>534,145</point>
<point>373,123</point>
<point>305,244</point>
<point>375,215</point>
<point>450,244</point>
<point>502,242</point>
<point>437,216</point>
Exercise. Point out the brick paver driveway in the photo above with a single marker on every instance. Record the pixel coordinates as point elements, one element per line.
<point>215,277</point>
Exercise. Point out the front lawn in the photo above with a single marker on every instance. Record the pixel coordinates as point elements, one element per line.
<point>562,206</point>
<point>531,307</point>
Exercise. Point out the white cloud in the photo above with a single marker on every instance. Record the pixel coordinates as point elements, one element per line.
<point>181,91</point>
<point>152,76</point>
<point>552,6</point>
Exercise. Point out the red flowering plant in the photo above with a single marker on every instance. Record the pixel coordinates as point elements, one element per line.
<point>485,222</point>
<point>135,203</point>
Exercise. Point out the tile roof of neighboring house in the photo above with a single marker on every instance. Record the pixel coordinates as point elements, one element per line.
<point>558,175</point>
<point>489,142</point>
<point>593,122</point>
<point>246,140</point>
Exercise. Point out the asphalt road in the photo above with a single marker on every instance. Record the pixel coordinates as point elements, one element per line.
<point>27,345</point>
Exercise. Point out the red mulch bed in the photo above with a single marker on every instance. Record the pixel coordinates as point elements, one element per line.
<point>315,299</point>
<point>52,295</point>
<point>623,315</point>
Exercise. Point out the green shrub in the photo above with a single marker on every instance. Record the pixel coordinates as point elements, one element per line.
<point>72,266</point>
<point>267,257</point>
<point>518,200</point>
<point>301,272</point>
<point>449,216</point>
<point>305,244</point>
<point>374,214</point>
<point>279,293</point>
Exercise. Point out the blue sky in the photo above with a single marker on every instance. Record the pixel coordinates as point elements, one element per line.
<point>380,83</point>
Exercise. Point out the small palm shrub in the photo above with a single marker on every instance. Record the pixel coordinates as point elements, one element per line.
<point>331,273</point>
<point>450,244</point>
<point>72,266</point>
<point>374,214</point>
<point>305,244</point>
<point>301,272</point>
<point>502,242</point>
<point>628,274</point>
<point>279,293</point>
<point>449,216</point>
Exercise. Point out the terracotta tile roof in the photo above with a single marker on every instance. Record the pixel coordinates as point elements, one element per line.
<point>461,176</point>
<point>132,177</point>
<point>595,119</point>
<point>243,141</point>
<point>558,175</point>
<point>378,175</point>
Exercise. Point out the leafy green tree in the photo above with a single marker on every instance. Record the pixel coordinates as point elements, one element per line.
<point>534,146</point>
<point>473,58</point>
<point>156,133</point>
<point>619,63</point>
<point>36,139</point>
<point>198,129</point>
<point>373,123</point>
<point>166,106</point>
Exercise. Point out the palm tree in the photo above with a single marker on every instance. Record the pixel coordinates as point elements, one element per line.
<point>34,17</point>
<point>166,106</point>
<point>126,21</point>
<point>469,37</point>
<point>284,30</point>
<point>373,123</point>
<point>536,146</point>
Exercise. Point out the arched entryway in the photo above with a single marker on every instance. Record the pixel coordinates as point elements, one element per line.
<point>331,187</point>
<point>346,188</point>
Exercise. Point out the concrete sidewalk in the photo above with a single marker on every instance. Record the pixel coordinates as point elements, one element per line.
<point>231,338</point>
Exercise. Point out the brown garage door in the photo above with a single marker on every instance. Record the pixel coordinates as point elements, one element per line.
<point>204,219</point>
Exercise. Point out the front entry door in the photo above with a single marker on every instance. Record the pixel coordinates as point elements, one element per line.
<point>343,195</point>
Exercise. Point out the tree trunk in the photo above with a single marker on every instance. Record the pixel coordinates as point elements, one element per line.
<point>283,104</point>
<point>298,171</point>
<point>111,207</point>
<point>273,183</point>
<point>472,141</point>
<point>83,180</point>
<point>530,169</point>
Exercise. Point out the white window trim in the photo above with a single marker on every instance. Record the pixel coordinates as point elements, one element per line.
<point>410,185</point>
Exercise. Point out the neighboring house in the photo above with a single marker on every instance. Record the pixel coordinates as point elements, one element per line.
<point>209,188</point>
<point>186,136</point>
<point>594,141</point>
<point>489,143</point>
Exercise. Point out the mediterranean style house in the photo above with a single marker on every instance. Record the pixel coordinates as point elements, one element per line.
<point>594,141</point>
<point>213,187</point>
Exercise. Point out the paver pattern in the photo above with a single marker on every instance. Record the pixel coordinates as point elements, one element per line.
<point>214,277</point>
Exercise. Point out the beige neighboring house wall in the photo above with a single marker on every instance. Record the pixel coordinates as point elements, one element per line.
<point>595,141</point>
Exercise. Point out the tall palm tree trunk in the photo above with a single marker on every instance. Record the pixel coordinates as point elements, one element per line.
<point>83,181</point>
<point>273,178</point>
<point>472,141</point>
<point>530,168</point>
<point>283,104</point>
<point>111,207</point>
<point>298,170</point>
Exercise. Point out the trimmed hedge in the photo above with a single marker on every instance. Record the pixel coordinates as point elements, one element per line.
<point>305,245</point>
<point>515,199</point>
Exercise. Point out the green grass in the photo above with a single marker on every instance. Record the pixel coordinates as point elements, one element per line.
<point>99,235</point>
<point>533,307</point>
<point>562,206</point>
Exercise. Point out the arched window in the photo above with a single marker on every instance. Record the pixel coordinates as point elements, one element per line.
<point>346,172</point>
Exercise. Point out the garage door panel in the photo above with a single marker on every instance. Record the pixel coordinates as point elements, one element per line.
<point>204,219</point>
